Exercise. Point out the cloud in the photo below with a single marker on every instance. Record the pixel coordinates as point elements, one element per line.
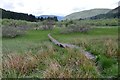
<point>6,4</point>
<point>20,4</point>
<point>119,3</point>
<point>55,7</point>
<point>9,6</point>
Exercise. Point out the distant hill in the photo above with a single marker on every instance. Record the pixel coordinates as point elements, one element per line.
<point>46,16</point>
<point>115,13</point>
<point>86,14</point>
<point>17,16</point>
<point>24,16</point>
<point>115,10</point>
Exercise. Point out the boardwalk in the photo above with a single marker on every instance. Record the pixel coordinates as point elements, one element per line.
<point>64,45</point>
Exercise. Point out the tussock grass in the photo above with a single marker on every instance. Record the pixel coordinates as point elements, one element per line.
<point>102,42</point>
<point>19,64</point>
<point>111,48</point>
<point>33,55</point>
<point>105,50</point>
<point>74,64</point>
<point>51,62</point>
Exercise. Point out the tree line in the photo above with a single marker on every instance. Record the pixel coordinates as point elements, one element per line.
<point>48,18</point>
<point>22,16</point>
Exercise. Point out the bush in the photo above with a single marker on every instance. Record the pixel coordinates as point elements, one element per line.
<point>48,25</point>
<point>76,28</point>
<point>10,31</point>
<point>101,22</point>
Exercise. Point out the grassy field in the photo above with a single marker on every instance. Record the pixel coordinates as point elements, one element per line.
<point>33,55</point>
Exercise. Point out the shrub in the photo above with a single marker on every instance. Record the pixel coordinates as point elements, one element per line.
<point>10,31</point>
<point>76,28</point>
<point>48,25</point>
<point>59,24</point>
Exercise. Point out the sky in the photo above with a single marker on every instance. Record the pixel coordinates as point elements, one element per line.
<point>55,7</point>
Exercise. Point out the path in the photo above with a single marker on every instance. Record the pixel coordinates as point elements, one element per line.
<point>64,45</point>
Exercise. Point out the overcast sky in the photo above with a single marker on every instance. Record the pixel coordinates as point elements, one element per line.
<point>55,7</point>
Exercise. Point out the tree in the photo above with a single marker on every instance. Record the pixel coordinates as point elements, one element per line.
<point>17,16</point>
<point>55,18</point>
<point>41,19</point>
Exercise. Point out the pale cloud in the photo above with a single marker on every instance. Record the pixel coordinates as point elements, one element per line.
<point>9,6</point>
<point>119,3</point>
<point>55,7</point>
<point>6,4</point>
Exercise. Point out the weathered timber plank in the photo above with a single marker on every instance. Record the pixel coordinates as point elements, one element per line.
<point>87,54</point>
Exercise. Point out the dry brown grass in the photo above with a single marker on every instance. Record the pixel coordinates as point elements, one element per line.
<point>53,69</point>
<point>107,46</point>
<point>75,63</point>
<point>20,63</point>
<point>111,48</point>
<point>24,64</point>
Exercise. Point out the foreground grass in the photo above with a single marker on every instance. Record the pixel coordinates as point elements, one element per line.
<point>102,42</point>
<point>33,55</point>
<point>51,62</point>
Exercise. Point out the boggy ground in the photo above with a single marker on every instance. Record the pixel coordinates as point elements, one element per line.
<point>33,55</point>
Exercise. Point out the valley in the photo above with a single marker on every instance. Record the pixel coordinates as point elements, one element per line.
<point>28,50</point>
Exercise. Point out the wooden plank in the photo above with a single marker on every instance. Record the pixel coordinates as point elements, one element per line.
<point>87,54</point>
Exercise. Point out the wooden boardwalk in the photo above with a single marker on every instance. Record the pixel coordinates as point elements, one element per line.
<point>64,45</point>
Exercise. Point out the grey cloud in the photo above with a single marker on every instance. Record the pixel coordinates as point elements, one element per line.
<point>119,3</point>
<point>20,4</point>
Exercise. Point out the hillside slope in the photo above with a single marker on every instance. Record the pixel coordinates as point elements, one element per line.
<point>86,13</point>
<point>115,13</point>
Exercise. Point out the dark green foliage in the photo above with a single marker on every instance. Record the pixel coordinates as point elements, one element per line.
<point>22,16</point>
<point>115,13</point>
<point>47,18</point>
<point>105,62</point>
<point>106,16</point>
<point>112,71</point>
<point>55,18</point>
<point>41,18</point>
<point>17,16</point>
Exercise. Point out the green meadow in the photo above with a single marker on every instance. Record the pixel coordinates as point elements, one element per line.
<point>34,55</point>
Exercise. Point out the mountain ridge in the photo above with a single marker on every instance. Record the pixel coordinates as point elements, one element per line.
<point>87,13</point>
<point>114,13</point>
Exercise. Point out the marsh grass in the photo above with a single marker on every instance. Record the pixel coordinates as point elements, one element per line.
<point>33,55</point>
<point>72,65</point>
<point>45,60</point>
<point>102,42</point>
<point>18,64</point>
